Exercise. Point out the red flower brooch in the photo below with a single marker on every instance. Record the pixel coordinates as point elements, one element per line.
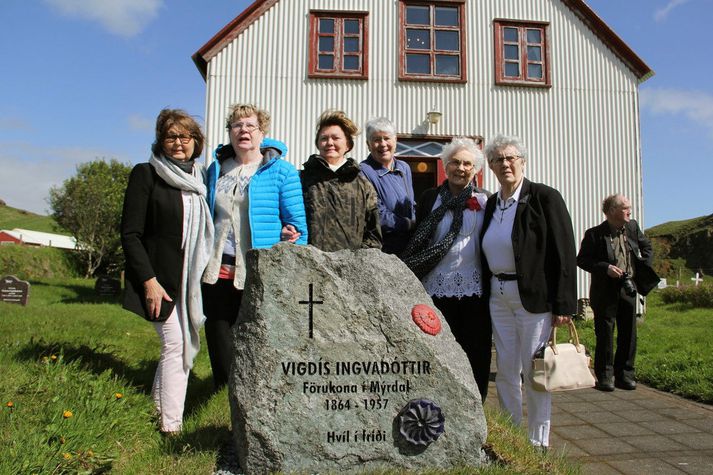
<point>472,204</point>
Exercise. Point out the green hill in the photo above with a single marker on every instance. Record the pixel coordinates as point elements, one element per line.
<point>31,262</point>
<point>18,218</point>
<point>683,246</point>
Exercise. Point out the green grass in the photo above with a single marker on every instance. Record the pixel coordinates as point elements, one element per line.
<point>676,227</point>
<point>28,262</point>
<point>70,350</point>
<point>673,351</point>
<point>17,218</point>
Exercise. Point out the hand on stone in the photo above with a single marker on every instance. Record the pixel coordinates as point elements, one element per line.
<point>155,295</point>
<point>289,233</point>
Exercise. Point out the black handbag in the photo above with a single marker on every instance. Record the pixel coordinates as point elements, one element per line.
<point>645,277</point>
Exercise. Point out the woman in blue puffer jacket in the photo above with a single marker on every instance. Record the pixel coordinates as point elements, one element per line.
<point>256,201</point>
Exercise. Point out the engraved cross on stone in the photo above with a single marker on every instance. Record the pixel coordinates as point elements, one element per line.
<point>311,302</point>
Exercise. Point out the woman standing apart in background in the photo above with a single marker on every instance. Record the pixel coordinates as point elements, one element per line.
<point>444,253</point>
<point>529,251</point>
<point>392,181</point>
<point>256,200</point>
<point>167,234</point>
<point>341,204</point>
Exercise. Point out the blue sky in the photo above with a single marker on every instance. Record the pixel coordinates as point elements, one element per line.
<point>85,79</point>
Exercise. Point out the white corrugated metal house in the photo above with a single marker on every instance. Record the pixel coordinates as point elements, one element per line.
<point>549,71</point>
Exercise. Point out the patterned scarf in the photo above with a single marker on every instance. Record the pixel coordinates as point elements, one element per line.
<point>419,256</point>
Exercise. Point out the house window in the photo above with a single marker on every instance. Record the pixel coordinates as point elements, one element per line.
<point>521,53</point>
<point>432,41</point>
<point>338,45</point>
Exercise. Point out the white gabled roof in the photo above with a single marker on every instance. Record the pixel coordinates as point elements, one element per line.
<point>42,239</point>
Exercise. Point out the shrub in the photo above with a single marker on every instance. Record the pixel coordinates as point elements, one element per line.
<point>89,206</point>
<point>695,296</point>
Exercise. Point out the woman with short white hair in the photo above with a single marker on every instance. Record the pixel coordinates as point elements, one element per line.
<point>444,253</point>
<point>529,262</point>
<point>392,181</point>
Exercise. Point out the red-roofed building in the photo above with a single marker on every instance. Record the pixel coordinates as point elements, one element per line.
<point>549,71</point>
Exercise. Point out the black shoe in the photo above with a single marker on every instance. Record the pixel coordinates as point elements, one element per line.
<point>604,386</point>
<point>624,384</point>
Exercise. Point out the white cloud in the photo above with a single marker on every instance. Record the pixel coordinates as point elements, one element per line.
<point>137,122</point>
<point>662,13</point>
<point>28,172</point>
<point>122,17</point>
<point>694,105</point>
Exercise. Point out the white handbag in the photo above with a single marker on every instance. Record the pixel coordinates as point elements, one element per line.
<point>563,366</point>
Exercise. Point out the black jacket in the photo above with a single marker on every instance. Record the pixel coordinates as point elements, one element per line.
<point>151,235</point>
<point>596,254</point>
<point>543,243</point>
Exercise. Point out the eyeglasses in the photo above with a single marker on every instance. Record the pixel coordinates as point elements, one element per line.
<point>459,163</point>
<point>510,159</point>
<point>183,138</point>
<point>246,126</point>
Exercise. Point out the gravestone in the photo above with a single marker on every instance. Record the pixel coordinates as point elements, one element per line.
<point>106,286</point>
<point>341,366</point>
<point>14,290</point>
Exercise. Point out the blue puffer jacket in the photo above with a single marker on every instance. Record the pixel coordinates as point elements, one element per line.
<point>275,194</point>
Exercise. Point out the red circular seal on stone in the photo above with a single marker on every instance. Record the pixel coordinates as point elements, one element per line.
<point>426,319</point>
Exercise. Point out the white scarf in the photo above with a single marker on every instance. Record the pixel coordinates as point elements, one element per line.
<point>198,244</point>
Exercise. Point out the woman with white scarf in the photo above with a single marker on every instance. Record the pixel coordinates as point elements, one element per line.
<point>167,234</point>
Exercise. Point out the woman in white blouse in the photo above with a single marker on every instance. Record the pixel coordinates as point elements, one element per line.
<point>529,261</point>
<point>444,253</point>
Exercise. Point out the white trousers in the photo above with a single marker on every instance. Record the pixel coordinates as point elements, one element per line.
<point>518,334</point>
<point>171,379</point>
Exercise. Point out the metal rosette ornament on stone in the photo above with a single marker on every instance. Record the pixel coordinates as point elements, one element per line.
<point>421,422</point>
<point>426,319</point>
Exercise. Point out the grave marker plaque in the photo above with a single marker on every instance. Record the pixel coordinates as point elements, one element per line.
<point>342,365</point>
<point>106,286</point>
<point>14,290</point>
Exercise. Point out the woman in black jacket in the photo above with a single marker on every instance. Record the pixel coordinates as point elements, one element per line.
<point>529,262</point>
<point>167,234</point>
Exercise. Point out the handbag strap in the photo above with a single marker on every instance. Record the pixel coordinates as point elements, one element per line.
<point>573,337</point>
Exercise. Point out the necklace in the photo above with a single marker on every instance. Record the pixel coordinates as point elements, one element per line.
<point>468,232</point>
<point>504,208</point>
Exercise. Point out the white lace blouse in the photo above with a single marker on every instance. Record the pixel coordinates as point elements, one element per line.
<point>458,274</point>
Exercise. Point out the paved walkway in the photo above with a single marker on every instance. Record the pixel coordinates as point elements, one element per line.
<point>631,432</point>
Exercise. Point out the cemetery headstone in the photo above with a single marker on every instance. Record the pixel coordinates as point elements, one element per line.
<point>343,364</point>
<point>14,290</point>
<point>106,286</point>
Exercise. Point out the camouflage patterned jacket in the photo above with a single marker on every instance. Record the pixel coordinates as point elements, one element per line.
<point>341,206</point>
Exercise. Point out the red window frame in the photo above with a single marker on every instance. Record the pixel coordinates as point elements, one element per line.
<point>338,52</point>
<point>523,61</point>
<point>431,51</point>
